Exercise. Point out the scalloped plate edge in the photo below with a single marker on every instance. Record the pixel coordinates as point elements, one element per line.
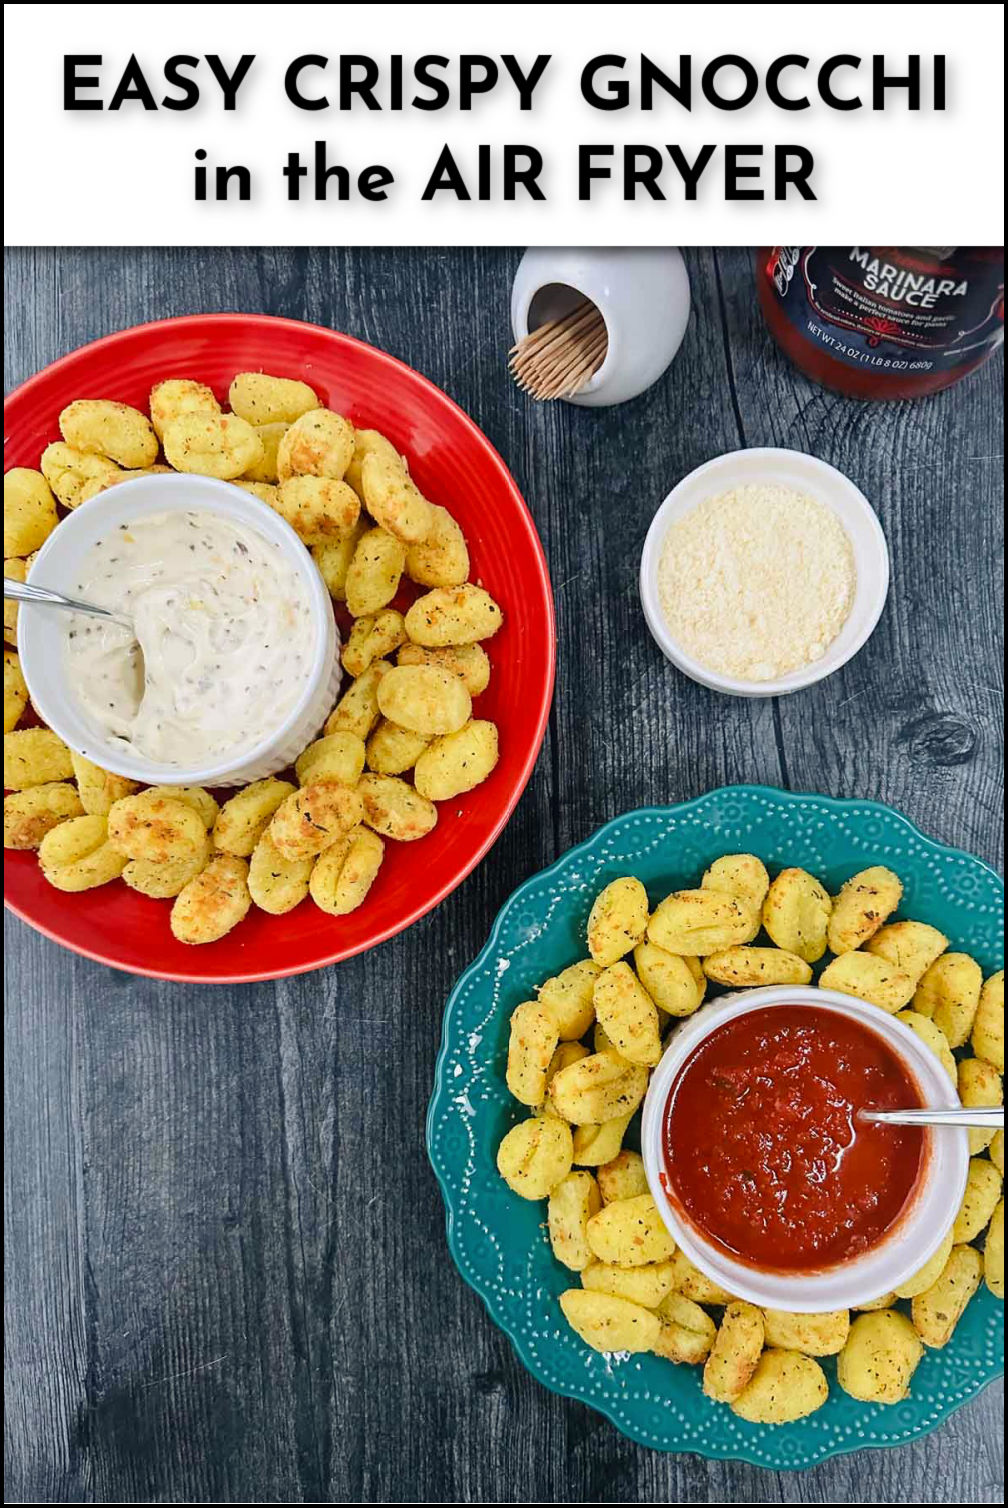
<point>436,1108</point>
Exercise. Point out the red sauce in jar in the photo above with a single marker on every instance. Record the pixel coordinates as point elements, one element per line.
<point>884,321</point>
<point>763,1150</point>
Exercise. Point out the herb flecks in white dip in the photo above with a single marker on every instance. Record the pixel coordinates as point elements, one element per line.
<point>225,633</point>
<point>757,582</point>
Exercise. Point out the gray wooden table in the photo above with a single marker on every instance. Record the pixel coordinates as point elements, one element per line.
<point>226,1270</point>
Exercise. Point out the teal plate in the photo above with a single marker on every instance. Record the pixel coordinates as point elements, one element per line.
<point>499,1241</point>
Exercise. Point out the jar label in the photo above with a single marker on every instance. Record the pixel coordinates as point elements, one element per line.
<point>892,309</point>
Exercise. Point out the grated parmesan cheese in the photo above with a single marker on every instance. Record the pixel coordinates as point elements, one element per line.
<point>757,582</point>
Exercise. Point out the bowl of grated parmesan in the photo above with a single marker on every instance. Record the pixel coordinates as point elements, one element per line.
<point>763,572</point>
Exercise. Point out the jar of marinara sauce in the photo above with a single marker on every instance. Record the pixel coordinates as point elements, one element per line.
<point>884,321</point>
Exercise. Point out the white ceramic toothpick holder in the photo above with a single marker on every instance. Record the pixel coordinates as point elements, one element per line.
<point>642,293</point>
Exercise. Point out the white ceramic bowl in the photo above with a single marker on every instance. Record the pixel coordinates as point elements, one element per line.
<point>902,1251</point>
<point>764,466</point>
<point>642,293</point>
<point>42,630</point>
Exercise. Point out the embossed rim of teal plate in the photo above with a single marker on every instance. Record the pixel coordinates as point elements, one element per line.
<point>665,1409</point>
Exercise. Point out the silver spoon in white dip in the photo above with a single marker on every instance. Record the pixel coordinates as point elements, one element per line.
<point>24,591</point>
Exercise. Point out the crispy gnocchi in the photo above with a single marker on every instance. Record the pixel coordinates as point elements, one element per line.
<point>580,1052</point>
<point>386,756</point>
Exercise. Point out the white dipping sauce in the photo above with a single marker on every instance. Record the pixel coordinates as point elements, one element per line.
<point>225,630</point>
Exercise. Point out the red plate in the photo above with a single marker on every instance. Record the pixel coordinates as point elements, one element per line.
<point>454,464</point>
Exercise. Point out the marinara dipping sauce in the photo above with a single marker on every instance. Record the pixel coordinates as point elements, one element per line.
<point>763,1150</point>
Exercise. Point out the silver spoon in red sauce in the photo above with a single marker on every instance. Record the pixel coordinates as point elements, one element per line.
<point>984,1117</point>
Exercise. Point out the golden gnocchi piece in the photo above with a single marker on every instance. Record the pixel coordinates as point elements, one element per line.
<point>949,992</point>
<point>598,1088</point>
<point>29,511</point>
<point>811,1334</point>
<point>245,816</point>
<point>177,398</point>
<point>165,881</point>
<point>535,1155</point>
<point>569,997</point>
<point>618,920</point>
<point>796,914</point>
<point>277,884</point>
<point>699,922</point>
<point>424,699</point>
<point>34,756</point>
<point>607,1323</point>
<point>868,978</point>
<point>865,901</point>
<point>319,509</point>
<point>395,810</point>
<point>623,1177</point>
<point>927,1275</point>
<point>30,814</point>
<point>628,1015</point>
<point>911,947</point>
<point>687,1333</point>
<point>455,763</point>
<point>980,1200</point>
<point>596,1145</point>
<point>647,1286</point>
<point>374,573</point>
<point>938,1310</point>
<point>196,796</point>
<point>735,1353</point>
<point>368,442</point>
<point>994,1253</point>
<point>372,638</point>
<point>77,475</point>
<point>15,690</point>
<point>696,1285</point>
<point>670,979</point>
<point>470,662</point>
<point>746,965</point>
<point>335,756</point>
<point>449,616</point>
<point>987,1038</point>
<point>14,570</point>
<point>784,1387</point>
<point>393,499</point>
<point>571,1205</point>
<point>531,1045</point>
<point>110,429</point>
<point>344,874</point>
<point>313,818</point>
<point>996,1151</point>
<point>262,399</point>
<point>392,750</point>
<point>741,875</point>
<point>565,1054</point>
<point>880,1355</point>
<point>979,1085</point>
<point>266,492</point>
<point>264,471</point>
<point>157,827</point>
<point>99,789</point>
<point>930,1035</point>
<point>357,711</point>
<point>76,855</point>
<point>213,903</point>
<point>207,444</point>
<point>442,556</point>
<point>318,443</point>
<point>333,559</point>
<point>629,1233</point>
